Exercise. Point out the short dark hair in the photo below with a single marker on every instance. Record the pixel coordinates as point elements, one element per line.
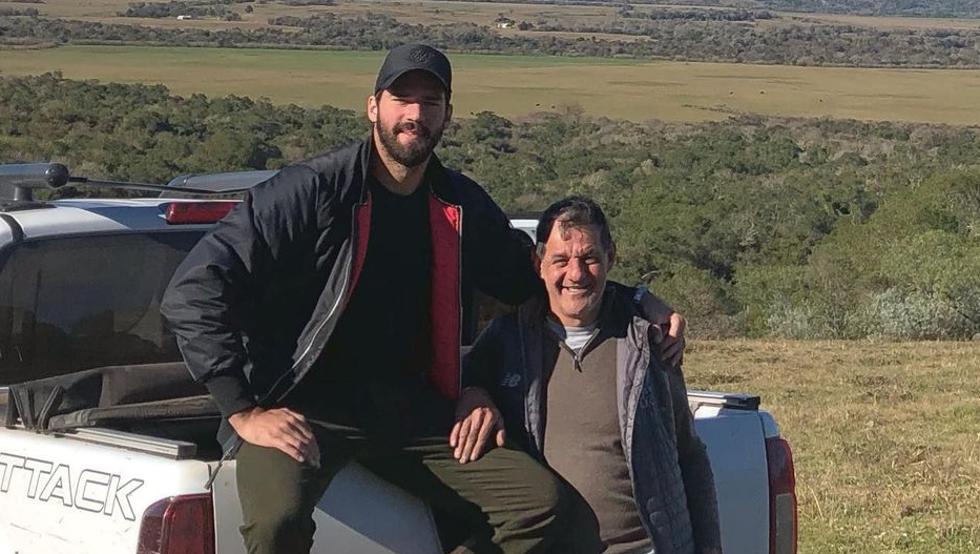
<point>574,211</point>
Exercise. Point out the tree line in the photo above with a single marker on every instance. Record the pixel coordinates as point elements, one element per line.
<point>18,12</point>
<point>752,226</point>
<point>905,8</point>
<point>840,45</point>
<point>206,8</point>
<point>627,11</point>
<point>175,8</point>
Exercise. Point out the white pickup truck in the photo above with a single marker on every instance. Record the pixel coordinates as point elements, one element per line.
<point>80,286</point>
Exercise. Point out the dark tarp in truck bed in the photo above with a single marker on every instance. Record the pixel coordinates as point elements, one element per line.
<point>125,397</point>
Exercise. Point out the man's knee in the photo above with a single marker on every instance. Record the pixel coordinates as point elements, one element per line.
<point>278,496</point>
<point>279,527</point>
<point>554,497</point>
<point>546,495</point>
<point>561,514</point>
<point>549,503</point>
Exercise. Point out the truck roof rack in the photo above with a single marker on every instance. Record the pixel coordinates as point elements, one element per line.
<point>25,178</point>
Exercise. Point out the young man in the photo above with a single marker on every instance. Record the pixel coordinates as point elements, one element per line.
<point>324,315</point>
<point>581,387</point>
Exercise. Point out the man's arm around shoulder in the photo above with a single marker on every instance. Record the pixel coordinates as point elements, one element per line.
<point>669,326</point>
<point>501,256</point>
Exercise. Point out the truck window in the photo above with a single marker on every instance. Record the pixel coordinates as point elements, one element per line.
<point>68,304</point>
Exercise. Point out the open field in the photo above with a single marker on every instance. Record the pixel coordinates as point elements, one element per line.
<point>518,85</point>
<point>885,22</point>
<point>417,11</point>
<point>437,12</point>
<point>886,436</point>
<point>423,12</point>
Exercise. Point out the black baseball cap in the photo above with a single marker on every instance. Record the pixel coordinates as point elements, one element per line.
<point>410,57</point>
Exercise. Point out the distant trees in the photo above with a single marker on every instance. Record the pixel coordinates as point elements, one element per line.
<point>143,133</point>
<point>919,8</point>
<point>308,2</point>
<point>790,44</point>
<point>175,8</point>
<point>752,226</point>
<point>696,14</point>
<point>678,39</point>
<point>18,12</point>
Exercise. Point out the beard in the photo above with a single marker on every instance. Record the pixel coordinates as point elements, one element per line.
<point>414,153</point>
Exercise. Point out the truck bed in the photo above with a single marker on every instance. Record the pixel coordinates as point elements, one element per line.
<point>92,486</point>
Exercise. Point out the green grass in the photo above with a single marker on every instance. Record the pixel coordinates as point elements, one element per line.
<point>885,436</point>
<point>518,85</point>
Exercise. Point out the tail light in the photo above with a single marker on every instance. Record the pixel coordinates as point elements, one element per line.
<point>782,497</point>
<point>178,525</point>
<point>188,213</point>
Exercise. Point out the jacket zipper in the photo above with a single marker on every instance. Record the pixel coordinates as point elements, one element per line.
<point>340,297</point>
<point>577,356</point>
<point>337,302</point>
<point>538,441</point>
<point>459,299</point>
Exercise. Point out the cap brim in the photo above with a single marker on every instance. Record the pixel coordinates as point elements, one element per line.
<point>384,85</point>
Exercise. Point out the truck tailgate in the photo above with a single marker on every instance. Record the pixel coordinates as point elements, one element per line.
<point>737,449</point>
<point>63,494</point>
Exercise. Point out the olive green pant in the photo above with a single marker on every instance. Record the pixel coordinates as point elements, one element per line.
<point>506,501</point>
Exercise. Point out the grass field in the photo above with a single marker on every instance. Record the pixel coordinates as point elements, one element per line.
<point>886,436</point>
<point>518,85</point>
<point>883,22</point>
<point>438,12</point>
<point>428,11</point>
<point>417,11</point>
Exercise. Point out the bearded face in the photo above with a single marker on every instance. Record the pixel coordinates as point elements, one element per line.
<point>409,118</point>
<point>410,143</point>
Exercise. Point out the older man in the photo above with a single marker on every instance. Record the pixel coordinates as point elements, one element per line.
<point>579,382</point>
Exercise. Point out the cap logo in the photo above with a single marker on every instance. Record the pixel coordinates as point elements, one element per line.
<point>420,55</point>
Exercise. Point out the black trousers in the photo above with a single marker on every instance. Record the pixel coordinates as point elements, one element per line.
<point>505,501</point>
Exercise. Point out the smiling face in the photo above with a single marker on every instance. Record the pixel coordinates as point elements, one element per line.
<point>409,117</point>
<point>573,265</point>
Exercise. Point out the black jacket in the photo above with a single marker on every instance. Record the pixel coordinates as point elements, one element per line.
<point>256,300</point>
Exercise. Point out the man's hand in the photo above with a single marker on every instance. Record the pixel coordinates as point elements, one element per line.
<point>672,346</point>
<point>476,419</point>
<point>279,428</point>
<point>668,326</point>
